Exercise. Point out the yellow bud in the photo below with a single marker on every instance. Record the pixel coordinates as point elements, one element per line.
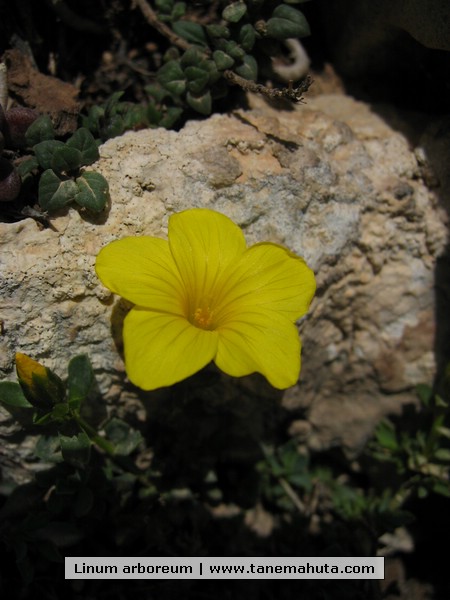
<point>26,367</point>
<point>42,387</point>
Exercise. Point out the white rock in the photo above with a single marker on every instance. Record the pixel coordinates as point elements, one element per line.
<point>330,180</point>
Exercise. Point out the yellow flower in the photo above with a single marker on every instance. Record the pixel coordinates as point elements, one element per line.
<point>203,295</point>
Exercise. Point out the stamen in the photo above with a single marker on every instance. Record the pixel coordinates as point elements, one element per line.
<point>203,318</point>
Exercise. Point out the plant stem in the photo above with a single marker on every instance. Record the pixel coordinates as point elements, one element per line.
<point>292,495</point>
<point>152,19</point>
<point>289,93</point>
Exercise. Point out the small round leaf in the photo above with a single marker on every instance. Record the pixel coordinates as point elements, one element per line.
<point>197,79</point>
<point>66,159</point>
<point>234,12</point>
<point>44,152</point>
<point>247,37</point>
<point>223,61</point>
<point>92,191</point>
<point>54,193</point>
<point>11,394</point>
<point>42,129</point>
<point>190,31</point>
<point>249,68</point>
<point>84,141</point>
<point>287,22</point>
<point>202,104</point>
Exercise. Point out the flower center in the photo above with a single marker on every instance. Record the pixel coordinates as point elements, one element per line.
<point>203,318</point>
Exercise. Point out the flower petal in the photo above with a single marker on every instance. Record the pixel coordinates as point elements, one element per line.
<point>267,276</point>
<point>142,270</point>
<point>203,244</point>
<point>162,349</point>
<point>261,341</point>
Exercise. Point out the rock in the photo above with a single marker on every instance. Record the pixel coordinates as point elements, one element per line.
<point>331,180</point>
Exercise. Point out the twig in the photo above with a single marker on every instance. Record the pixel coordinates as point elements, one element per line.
<point>292,495</point>
<point>152,19</point>
<point>289,93</point>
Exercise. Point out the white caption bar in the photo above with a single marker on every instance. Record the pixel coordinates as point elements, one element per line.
<point>230,567</point>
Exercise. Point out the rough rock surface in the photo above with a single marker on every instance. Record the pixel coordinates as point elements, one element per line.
<point>331,180</point>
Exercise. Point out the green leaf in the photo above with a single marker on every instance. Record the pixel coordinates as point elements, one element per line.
<point>234,50</point>
<point>209,66</point>
<point>192,57</point>
<point>113,128</point>
<point>287,22</point>
<point>27,166</point>
<point>247,37</point>
<point>197,79</point>
<point>249,68</point>
<point>60,412</point>
<point>443,431</point>
<point>222,60</point>
<point>80,380</point>
<point>76,449</point>
<point>178,11</point>
<point>440,402</point>
<point>425,394</point>
<point>172,78</point>
<point>40,130</point>
<point>164,6</point>
<point>422,492</point>
<point>92,191</point>
<point>48,449</point>
<point>176,87</point>
<point>136,117</point>
<point>84,141</point>
<point>234,12</point>
<point>11,394</point>
<point>442,454</point>
<point>124,438</point>
<point>44,152</point>
<point>191,32</point>
<point>55,193</point>
<point>153,114</point>
<point>202,104</point>
<point>171,117</point>
<point>386,435</point>
<point>218,31</point>
<point>156,91</point>
<point>442,487</point>
<point>112,104</point>
<point>93,119</point>
<point>66,159</point>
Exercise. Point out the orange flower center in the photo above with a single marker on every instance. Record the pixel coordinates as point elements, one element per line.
<point>203,318</point>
